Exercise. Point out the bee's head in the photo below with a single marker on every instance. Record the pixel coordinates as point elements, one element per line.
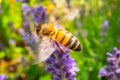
<point>45,29</point>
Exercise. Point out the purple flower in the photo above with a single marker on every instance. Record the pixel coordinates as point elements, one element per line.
<point>26,9</point>
<point>106,24</point>
<point>26,16</point>
<point>112,71</point>
<point>25,1</point>
<point>118,71</point>
<point>104,28</point>
<point>26,34</point>
<point>79,24</point>
<point>30,40</point>
<point>103,72</point>
<point>3,77</point>
<point>12,42</point>
<point>39,15</point>
<point>61,65</point>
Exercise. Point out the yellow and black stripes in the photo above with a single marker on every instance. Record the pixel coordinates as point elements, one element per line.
<point>59,35</point>
<point>67,39</point>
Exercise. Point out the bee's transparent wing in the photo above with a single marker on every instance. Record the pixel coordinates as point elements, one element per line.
<point>69,16</point>
<point>44,50</point>
<point>72,14</point>
<point>39,48</point>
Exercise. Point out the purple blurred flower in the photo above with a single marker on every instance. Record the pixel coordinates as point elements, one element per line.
<point>118,71</point>
<point>26,33</point>
<point>30,40</point>
<point>104,29</point>
<point>112,71</point>
<point>12,42</point>
<point>79,24</point>
<point>103,72</point>
<point>61,65</point>
<point>39,15</point>
<point>25,1</point>
<point>26,9</point>
<point>26,16</point>
<point>3,77</point>
<point>106,24</point>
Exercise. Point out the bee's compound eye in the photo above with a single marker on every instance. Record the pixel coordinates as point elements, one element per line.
<point>37,30</point>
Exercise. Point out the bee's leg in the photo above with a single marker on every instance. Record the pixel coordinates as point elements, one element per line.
<point>59,47</point>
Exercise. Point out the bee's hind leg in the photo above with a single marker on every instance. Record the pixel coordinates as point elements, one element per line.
<point>60,49</point>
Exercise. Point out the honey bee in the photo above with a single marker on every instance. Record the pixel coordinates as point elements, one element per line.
<point>59,35</point>
<point>48,32</point>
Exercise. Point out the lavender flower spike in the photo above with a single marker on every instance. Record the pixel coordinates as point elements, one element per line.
<point>39,15</point>
<point>26,16</point>
<point>112,71</point>
<point>62,66</point>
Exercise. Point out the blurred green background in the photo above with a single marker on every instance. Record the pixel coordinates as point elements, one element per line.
<point>97,27</point>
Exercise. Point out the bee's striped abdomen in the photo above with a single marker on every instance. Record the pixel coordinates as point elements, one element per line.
<point>67,39</point>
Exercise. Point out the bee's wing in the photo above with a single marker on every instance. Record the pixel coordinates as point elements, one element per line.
<point>72,14</point>
<point>69,16</point>
<point>40,48</point>
<point>44,50</point>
